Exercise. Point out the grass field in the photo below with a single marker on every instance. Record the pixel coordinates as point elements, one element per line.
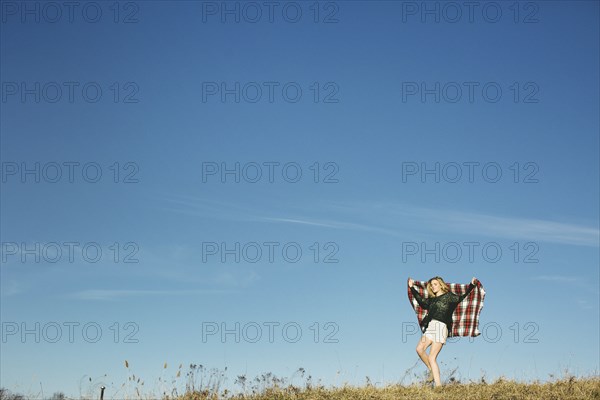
<point>202,384</point>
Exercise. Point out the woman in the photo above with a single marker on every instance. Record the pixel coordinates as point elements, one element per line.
<point>440,305</point>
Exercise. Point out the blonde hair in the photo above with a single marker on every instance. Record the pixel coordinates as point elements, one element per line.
<point>443,286</point>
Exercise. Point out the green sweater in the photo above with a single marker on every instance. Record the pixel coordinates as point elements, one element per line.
<point>440,307</point>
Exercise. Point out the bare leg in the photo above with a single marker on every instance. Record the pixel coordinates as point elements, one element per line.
<point>433,353</point>
<point>424,342</point>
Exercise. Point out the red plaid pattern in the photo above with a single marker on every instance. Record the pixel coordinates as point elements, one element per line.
<point>465,319</point>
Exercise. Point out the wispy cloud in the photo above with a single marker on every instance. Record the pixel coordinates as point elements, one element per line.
<point>397,219</point>
<point>502,226</point>
<point>585,304</point>
<point>234,212</point>
<point>10,288</point>
<point>114,294</point>
<point>554,278</point>
<point>331,224</point>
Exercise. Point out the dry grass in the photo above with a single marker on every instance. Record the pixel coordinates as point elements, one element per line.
<point>565,389</point>
<point>269,387</point>
<point>203,384</point>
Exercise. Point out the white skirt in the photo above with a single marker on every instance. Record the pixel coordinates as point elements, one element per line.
<point>436,331</point>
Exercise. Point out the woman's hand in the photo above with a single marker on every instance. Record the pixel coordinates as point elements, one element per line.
<point>410,282</point>
<point>473,280</point>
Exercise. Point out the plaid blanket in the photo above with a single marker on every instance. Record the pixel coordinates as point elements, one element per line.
<point>465,319</point>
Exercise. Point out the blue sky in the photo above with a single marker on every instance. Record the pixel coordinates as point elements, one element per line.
<point>167,127</point>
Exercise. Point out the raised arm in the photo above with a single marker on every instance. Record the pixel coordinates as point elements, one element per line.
<point>423,302</point>
<point>463,296</point>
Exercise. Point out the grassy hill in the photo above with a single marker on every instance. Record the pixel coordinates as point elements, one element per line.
<point>202,384</point>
